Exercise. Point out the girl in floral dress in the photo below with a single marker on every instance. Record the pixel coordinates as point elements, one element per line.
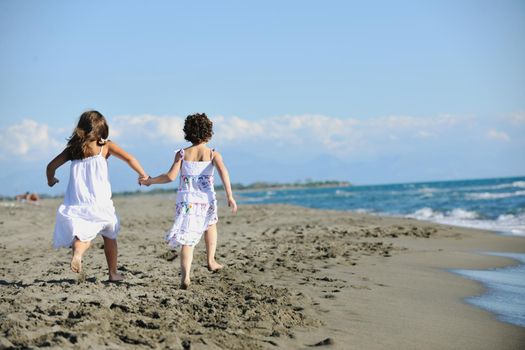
<point>196,203</point>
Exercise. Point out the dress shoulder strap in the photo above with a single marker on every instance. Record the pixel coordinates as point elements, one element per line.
<point>101,149</point>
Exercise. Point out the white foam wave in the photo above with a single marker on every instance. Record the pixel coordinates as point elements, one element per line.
<point>489,195</point>
<point>342,193</point>
<point>519,184</point>
<point>425,214</point>
<point>508,223</point>
<point>515,184</point>
<point>506,287</point>
<point>458,213</point>
<point>428,191</point>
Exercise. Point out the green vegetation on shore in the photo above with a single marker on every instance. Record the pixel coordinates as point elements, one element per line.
<point>252,186</point>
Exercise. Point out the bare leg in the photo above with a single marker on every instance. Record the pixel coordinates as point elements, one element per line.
<point>210,237</point>
<point>186,257</point>
<point>111,251</point>
<point>79,248</point>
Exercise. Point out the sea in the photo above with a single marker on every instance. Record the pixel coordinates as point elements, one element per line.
<point>496,204</point>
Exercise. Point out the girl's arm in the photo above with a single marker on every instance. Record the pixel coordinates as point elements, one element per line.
<point>166,177</point>
<point>114,149</point>
<point>56,163</point>
<point>225,177</point>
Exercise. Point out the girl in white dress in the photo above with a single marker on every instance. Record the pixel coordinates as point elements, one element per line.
<point>196,204</point>
<point>88,209</point>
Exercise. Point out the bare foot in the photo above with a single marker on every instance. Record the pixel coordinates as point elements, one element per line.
<point>215,266</point>
<point>185,284</point>
<point>76,263</point>
<point>115,277</point>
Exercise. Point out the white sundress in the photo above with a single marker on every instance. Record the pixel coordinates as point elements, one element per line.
<point>196,203</point>
<point>88,209</point>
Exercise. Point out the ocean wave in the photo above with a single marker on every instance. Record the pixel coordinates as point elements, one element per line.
<point>287,196</point>
<point>519,184</point>
<point>505,223</point>
<point>514,184</point>
<point>489,195</point>
<point>458,213</point>
<point>342,193</point>
<point>428,191</point>
<point>491,205</point>
<point>506,287</point>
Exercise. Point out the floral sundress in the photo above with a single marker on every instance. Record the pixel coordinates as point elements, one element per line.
<point>196,203</point>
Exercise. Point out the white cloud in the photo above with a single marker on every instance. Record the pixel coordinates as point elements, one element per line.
<point>309,132</point>
<point>410,122</point>
<point>338,135</point>
<point>234,128</point>
<point>497,135</point>
<point>28,140</point>
<point>303,130</point>
<point>150,127</point>
<point>424,134</point>
<point>517,118</point>
<point>290,129</point>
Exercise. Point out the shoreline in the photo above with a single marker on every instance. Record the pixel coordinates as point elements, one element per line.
<point>295,277</point>
<point>496,282</point>
<point>471,327</point>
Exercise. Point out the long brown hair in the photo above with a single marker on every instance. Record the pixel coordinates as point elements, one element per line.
<point>92,126</point>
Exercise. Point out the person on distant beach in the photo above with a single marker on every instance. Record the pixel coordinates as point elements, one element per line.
<point>196,203</point>
<point>88,209</point>
<point>28,197</point>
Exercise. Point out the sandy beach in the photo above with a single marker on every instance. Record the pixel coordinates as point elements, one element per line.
<point>295,278</point>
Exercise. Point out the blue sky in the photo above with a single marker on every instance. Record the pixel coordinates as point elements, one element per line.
<point>369,92</point>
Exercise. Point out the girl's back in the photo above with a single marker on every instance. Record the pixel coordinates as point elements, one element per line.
<point>196,176</point>
<point>196,202</point>
<point>198,154</point>
<point>89,181</point>
<point>88,210</point>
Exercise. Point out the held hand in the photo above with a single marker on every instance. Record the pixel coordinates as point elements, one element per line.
<point>232,204</point>
<point>145,180</point>
<point>52,182</point>
<point>141,178</point>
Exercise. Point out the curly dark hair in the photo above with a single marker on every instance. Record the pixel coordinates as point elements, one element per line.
<point>198,128</point>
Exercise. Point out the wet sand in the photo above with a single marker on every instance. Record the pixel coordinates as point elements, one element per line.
<point>295,278</point>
